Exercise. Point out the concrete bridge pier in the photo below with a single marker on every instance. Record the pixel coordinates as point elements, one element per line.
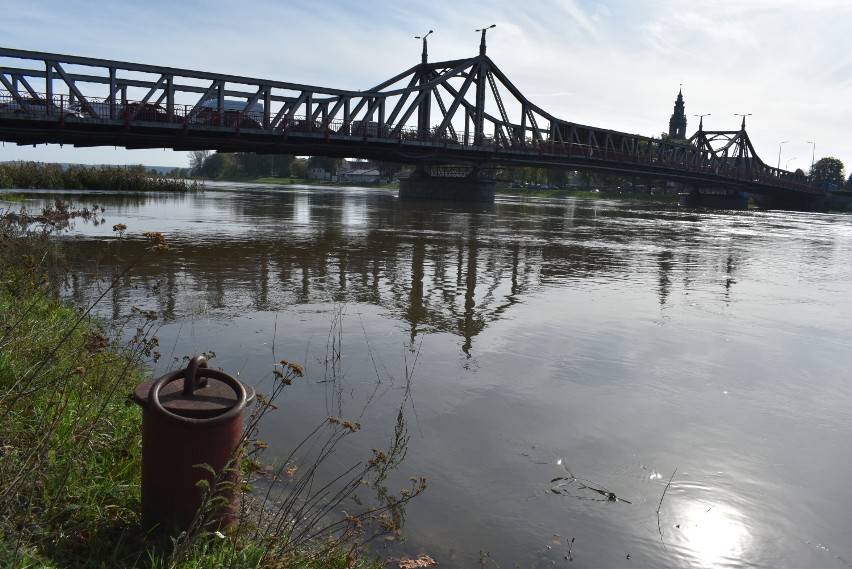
<point>786,202</point>
<point>422,186</point>
<point>714,198</point>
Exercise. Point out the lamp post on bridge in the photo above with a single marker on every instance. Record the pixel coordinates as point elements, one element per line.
<point>424,108</point>
<point>482,43</point>
<point>787,165</point>
<point>779,152</point>
<point>701,121</point>
<point>424,56</point>
<point>481,75</point>
<point>813,154</point>
<point>744,116</point>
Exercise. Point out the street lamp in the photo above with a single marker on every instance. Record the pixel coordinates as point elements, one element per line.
<point>813,154</point>
<point>779,152</point>
<point>423,55</point>
<point>482,43</point>
<point>701,120</point>
<point>787,165</point>
<point>744,116</point>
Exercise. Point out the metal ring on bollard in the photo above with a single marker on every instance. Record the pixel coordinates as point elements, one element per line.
<point>192,422</point>
<point>190,381</point>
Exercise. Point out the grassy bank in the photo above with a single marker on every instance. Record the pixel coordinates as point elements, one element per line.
<point>70,457</point>
<point>69,452</point>
<point>108,178</point>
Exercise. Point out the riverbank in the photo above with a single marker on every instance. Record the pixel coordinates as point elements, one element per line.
<point>70,458</point>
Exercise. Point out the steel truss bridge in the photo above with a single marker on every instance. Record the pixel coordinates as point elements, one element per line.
<point>464,112</point>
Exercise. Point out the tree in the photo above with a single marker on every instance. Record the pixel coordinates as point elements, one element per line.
<point>557,177</point>
<point>218,165</point>
<point>179,173</point>
<point>298,168</point>
<point>387,169</point>
<point>849,184</point>
<point>281,165</point>
<point>252,164</point>
<point>828,173</point>
<point>196,160</point>
<point>262,165</point>
<point>330,165</point>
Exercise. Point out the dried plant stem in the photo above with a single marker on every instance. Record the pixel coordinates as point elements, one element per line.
<point>659,529</point>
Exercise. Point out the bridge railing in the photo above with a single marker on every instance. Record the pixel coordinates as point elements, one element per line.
<point>36,104</point>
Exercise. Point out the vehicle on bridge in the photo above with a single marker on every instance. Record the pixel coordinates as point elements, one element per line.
<point>34,106</point>
<point>234,113</point>
<point>134,111</point>
<point>101,109</point>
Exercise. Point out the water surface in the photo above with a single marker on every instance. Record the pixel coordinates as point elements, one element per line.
<point>564,353</point>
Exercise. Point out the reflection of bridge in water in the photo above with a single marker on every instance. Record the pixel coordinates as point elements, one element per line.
<point>461,112</point>
<point>439,270</point>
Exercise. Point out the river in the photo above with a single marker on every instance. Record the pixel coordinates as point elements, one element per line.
<point>590,383</point>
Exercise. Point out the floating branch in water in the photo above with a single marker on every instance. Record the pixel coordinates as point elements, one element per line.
<point>583,484</point>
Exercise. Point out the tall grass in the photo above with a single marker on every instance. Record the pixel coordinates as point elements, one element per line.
<point>31,175</point>
<point>70,445</point>
<point>68,448</point>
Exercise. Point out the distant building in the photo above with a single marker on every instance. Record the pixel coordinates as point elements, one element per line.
<point>366,175</point>
<point>677,124</point>
<point>317,174</point>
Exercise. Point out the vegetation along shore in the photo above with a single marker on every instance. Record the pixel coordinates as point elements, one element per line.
<point>32,175</point>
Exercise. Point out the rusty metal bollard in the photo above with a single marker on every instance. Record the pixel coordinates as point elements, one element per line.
<point>190,416</point>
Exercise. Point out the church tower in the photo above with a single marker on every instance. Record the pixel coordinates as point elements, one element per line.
<point>677,124</point>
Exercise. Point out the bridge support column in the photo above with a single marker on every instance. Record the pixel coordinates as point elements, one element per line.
<point>795,203</point>
<point>712,198</point>
<point>423,187</point>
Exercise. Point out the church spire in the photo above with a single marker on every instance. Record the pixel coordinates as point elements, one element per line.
<point>677,124</point>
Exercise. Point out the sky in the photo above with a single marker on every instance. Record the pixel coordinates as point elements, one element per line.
<point>615,64</point>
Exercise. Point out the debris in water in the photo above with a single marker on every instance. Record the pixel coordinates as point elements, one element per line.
<point>422,561</point>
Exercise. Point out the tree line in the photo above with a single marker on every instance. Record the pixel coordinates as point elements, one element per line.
<point>226,164</point>
<point>252,165</point>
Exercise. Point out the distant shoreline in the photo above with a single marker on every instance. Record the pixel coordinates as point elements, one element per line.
<point>502,189</point>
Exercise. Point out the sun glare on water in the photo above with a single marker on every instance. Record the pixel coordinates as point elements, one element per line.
<point>712,535</point>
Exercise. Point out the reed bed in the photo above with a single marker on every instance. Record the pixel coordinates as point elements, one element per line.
<point>34,175</point>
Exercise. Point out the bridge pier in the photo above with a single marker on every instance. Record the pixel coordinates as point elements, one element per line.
<point>421,186</point>
<point>713,198</point>
<point>808,203</point>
